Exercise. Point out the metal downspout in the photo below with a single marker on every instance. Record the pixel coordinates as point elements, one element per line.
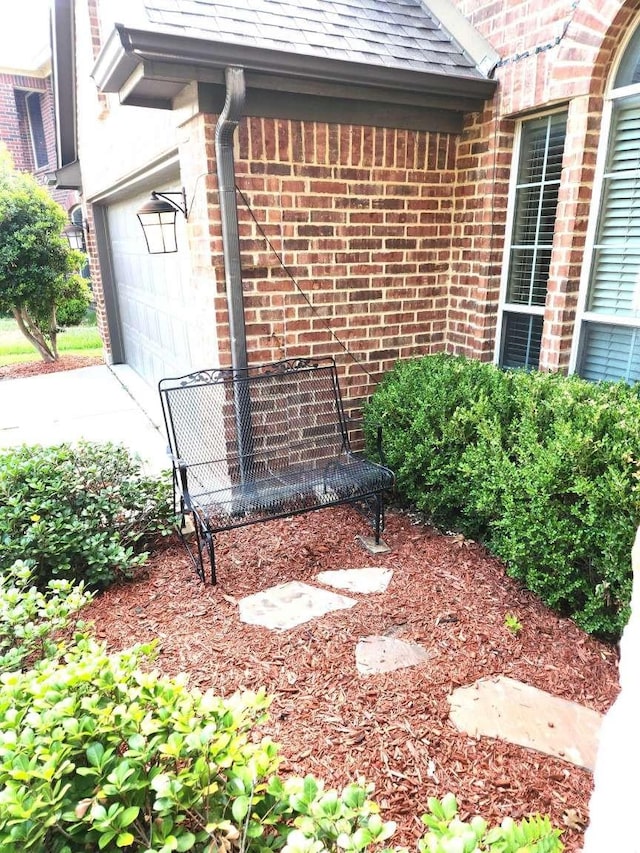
<point>225,129</point>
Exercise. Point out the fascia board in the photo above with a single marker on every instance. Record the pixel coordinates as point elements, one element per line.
<point>126,48</point>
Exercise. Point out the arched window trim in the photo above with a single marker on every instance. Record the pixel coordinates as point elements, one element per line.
<point>614,95</point>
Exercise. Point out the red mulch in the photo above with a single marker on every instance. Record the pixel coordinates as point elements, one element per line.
<point>35,368</point>
<point>447,594</point>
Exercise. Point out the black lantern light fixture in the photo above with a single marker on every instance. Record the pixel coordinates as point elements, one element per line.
<point>74,235</point>
<point>158,219</point>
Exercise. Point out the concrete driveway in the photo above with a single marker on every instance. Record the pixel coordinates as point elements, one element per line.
<point>98,403</point>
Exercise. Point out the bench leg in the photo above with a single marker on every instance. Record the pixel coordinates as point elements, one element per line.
<point>211,544</point>
<point>199,535</point>
<point>379,522</point>
<point>203,548</point>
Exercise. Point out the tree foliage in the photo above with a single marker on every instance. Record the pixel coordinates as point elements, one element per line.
<point>38,270</point>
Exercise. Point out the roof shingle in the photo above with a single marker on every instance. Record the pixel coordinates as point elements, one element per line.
<point>389,33</point>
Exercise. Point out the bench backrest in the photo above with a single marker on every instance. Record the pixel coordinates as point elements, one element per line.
<point>271,417</point>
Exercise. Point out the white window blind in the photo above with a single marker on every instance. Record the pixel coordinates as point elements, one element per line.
<point>534,216</point>
<point>609,345</point>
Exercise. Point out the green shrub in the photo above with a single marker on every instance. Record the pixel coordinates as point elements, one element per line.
<point>30,618</point>
<point>542,468</point>
<point>74,302</point>
<point>97,754</point>
<point>448,834</point>
<point>425,408</point>
<point>82,513</point>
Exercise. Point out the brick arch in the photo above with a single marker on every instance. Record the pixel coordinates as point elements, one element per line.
<point>591,42</point>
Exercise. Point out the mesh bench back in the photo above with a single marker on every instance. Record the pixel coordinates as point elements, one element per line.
<point>282,416</point>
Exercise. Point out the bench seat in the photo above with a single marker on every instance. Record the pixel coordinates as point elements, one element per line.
<point>288,492</point>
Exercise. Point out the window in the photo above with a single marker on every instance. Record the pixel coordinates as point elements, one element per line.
<point>36,129</point>
<point>533,215</point>
<point>609,345</point>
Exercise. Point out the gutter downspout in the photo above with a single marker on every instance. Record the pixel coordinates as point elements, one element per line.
<point>225,129</point>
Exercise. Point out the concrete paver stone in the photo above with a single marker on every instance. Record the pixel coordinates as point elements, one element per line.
<point>289,604</point>
<point>386,654</point>
<point>367,580</point>
<point>369,544</point>
<point>518,713</point>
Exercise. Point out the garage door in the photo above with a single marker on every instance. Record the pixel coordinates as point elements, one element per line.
<point>153,301</point>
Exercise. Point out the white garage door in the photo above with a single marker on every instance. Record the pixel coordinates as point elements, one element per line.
<point>152,296</point>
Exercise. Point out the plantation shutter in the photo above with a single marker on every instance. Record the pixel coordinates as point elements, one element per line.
<point>609,348</point>
<point>612,352</point>
<point>534,215</point>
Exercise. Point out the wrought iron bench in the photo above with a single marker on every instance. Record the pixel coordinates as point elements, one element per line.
<point>260,443</point>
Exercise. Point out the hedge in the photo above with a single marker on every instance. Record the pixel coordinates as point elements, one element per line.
<point>541,468</point>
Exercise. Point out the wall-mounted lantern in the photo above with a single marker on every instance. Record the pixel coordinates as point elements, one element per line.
<point>158,219</point>
<point>74,235</point>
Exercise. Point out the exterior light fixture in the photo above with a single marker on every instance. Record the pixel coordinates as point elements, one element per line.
<point>74,235</point>
<point>158,219</point>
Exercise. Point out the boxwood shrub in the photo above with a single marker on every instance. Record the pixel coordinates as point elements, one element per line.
<point>541,468</point>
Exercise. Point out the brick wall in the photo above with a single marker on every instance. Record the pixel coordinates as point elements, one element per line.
<point>480,200</point>
<point>362,218</point>
<point>14,128</point>
<point>551,54</point>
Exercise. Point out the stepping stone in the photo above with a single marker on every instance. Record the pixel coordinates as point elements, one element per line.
<point>357,580</point>
<point>518,713</point>
<point>369,544</point>
<point>386,654</point>
<point>289,604</point>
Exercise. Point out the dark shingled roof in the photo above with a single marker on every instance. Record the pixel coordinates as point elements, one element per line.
<point>400,34</point>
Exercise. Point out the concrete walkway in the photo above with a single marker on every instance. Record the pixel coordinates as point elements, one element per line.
<point>98,403</point>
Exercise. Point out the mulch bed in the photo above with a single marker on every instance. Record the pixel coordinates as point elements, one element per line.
<point>35,368</point>
<point>447,593</point>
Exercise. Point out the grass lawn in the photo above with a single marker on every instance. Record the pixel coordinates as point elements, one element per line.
<point>77,340</point>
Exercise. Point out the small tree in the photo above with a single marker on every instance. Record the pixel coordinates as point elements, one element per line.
<point>38,270</point>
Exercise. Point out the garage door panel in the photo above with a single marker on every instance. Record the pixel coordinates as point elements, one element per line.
<point>152,298</point>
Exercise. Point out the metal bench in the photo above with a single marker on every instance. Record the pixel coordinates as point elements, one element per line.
<point>260,443</point>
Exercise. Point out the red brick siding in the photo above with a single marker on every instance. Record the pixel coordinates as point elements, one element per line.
<point>362,218</point>
<point>481,191</point>
<point>551,54</point>
<point>14,128</point>
<point>96,42</point>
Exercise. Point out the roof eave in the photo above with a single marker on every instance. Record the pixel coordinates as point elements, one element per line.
<point>64,82</point>
<point>127,48</point>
